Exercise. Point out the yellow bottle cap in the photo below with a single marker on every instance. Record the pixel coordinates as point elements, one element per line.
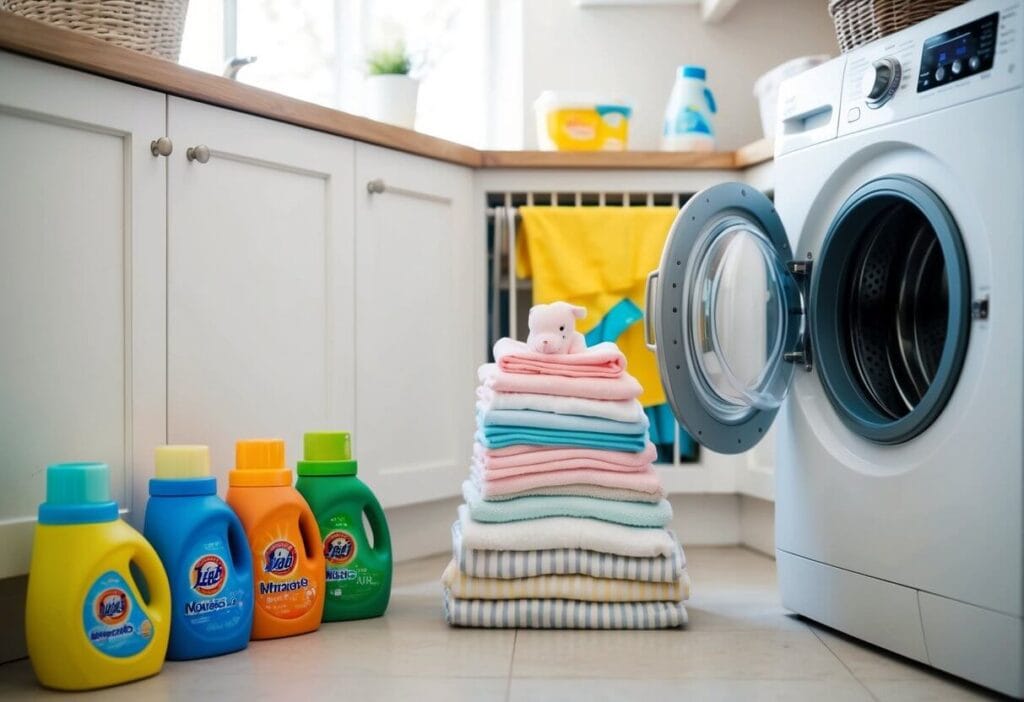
<point>182,462</point>
<point>259,463</point>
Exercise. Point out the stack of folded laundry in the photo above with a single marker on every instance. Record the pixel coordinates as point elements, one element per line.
<point>564,521</point>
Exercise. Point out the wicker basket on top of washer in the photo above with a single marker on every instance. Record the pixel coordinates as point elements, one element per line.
<point>861,21</point>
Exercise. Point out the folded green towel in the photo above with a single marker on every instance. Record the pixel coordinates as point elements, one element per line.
<point>638,514</point>
<point>495,437</point>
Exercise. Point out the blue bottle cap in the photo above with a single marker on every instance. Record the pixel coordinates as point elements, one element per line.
<point>697,72</point>
<point>77,493</point>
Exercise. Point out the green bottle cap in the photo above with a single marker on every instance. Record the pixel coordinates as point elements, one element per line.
<point>326,453</point>
<point>77,483</point>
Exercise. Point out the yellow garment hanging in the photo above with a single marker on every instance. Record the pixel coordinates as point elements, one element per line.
<point>595,257</point>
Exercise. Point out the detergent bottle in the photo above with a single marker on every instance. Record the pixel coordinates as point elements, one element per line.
<point>204,550</point>
<point>358,574</point>
<point>288,564</point>
<point>98,607</point>
<point>687,124</point>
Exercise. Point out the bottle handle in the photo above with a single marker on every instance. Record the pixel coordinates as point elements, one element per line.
<point>238,545</point>
<point>378,525</point>
<point>159,589</point>
<point>310,531</point>
<point>710,98</point>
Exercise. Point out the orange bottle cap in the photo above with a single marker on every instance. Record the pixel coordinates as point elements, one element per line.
<point>259,463</point>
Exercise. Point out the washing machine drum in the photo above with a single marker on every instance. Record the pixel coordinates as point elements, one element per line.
<point>881,313</point>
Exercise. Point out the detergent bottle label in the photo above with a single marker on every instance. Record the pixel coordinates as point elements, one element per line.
<point>113,620</point>
<point>283,590</point>
<point>347,578</point>
<point>215,604</point>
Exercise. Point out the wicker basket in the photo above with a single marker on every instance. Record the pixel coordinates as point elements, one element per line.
<point>861,21</point>
<point>150,26</point>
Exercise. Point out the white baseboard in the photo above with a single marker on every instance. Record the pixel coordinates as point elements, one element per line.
<point>757,524</point>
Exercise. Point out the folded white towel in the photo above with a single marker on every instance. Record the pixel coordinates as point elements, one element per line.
<point>565,532</point>
<point>615,410</point>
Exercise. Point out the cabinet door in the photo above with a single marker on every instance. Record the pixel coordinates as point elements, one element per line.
<point>416,336</point>
<point>259,281</point>
<point>82,245</point>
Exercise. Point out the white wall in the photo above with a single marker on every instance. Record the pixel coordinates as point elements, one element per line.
<point>634,51</point>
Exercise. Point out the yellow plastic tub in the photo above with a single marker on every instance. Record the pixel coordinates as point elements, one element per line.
<point>579,122</point>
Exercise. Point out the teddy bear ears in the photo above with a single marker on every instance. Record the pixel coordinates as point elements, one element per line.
<point>577,311</point>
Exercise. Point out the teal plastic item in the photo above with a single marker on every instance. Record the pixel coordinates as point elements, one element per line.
<point>77,493</point>
<point>358,574</point>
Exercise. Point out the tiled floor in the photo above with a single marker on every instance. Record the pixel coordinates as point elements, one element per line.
<point>740,645</point>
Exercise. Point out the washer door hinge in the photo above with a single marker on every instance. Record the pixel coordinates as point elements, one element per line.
<point>800,269</point>
<point>979,308</point>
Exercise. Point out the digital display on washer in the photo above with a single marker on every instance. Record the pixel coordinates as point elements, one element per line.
<point>958,53</point>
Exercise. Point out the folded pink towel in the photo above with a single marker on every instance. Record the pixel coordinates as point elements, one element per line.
<point>624,387</point>
<point>601,361</point>
<point>524,455</point>
<point>646,480</point>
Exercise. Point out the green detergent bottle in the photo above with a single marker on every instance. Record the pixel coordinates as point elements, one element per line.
<point>358,574</point>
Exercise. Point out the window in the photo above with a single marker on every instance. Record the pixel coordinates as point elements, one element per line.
<point>315,50</point>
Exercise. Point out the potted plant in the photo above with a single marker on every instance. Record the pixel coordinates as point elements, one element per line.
<point>390,91</point>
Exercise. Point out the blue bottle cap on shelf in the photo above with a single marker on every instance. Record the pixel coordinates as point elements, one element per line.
<point>697,72</point>
<point>77,493</point>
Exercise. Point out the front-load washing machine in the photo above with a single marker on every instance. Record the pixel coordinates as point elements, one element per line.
<point>874,314</point>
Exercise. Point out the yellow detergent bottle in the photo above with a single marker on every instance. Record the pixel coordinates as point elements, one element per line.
<point>98,610</point>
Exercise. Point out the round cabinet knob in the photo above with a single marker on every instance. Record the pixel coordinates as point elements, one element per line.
<point>161,147</point>
<point>881,81</point>
<point>199,153</point>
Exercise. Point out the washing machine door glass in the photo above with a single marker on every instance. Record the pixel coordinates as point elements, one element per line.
<point>727,315</point>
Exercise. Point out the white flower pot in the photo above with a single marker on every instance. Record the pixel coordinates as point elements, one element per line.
<point>392,99</point>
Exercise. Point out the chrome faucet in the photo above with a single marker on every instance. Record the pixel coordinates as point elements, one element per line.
<point>235,64</point>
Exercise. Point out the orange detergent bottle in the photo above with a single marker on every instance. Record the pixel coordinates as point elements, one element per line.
<point>287,561</point>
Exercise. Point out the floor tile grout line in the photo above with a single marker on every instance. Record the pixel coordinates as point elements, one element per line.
<point>843,663</point>
<point>511,666</point>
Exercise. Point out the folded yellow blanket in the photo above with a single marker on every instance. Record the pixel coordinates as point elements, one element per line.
<point>564,587</point>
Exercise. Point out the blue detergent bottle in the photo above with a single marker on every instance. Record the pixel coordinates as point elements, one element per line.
<point>206,554</point>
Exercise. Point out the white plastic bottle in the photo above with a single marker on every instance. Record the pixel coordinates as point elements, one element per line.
<point>688,124</point>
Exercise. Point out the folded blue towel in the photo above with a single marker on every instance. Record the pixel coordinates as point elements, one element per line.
<point>495,437</point>
<point>567,422</point>
<point>635,514</point>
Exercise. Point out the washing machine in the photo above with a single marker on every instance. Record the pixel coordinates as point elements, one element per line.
<point>873,315</point>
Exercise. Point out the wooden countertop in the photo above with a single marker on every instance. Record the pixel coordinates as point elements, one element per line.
<point>83,52</point>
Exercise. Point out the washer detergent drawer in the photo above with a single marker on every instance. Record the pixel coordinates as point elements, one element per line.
<point>874,610</point>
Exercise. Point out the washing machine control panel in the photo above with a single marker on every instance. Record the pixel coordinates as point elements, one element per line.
<point>958,53</point>
<point>967,53</point>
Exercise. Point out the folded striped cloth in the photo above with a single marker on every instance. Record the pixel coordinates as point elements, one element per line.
<point>566,532</point>
<point>490,563</point>
<point>563,587</point>
<point>531,419</point>
<point>500,436</point>
<point>635,514</point>
<point>562,614</point>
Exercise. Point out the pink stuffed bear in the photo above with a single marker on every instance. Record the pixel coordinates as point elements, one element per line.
<point>553,328</point>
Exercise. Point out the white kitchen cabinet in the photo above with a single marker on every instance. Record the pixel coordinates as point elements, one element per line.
<point>260,282</point>
<point>82,261</point>
<point>417,337</point>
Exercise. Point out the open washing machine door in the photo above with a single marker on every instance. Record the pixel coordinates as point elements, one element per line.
<point>728,316</point>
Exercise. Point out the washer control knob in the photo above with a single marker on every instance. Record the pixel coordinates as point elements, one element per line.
<point>881,81</point>
<point>974,63</point>
<point>940,73</point>
<point>958,67</point>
